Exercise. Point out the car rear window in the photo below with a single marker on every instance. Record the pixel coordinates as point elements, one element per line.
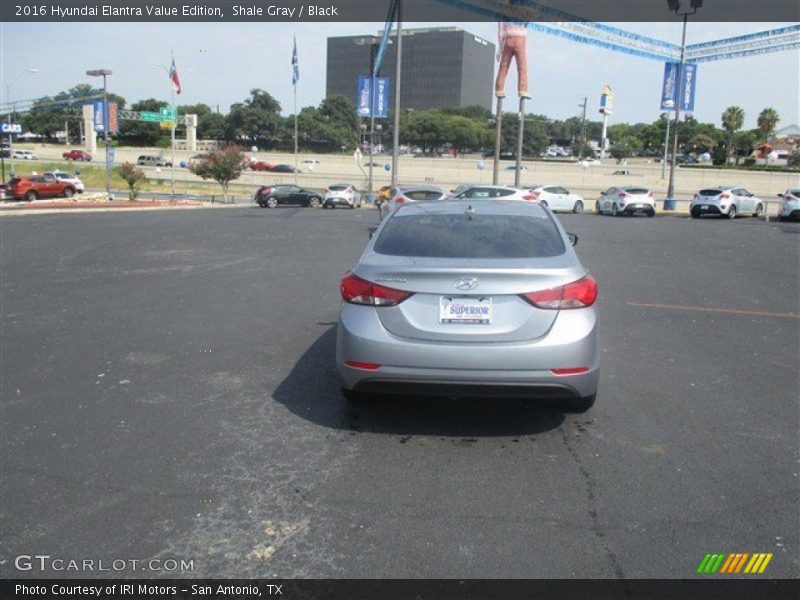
<point>337,188</point>
<point>458,236</point>
<point>710,192</point>
<point>635,190</point>
<point>422,195</point>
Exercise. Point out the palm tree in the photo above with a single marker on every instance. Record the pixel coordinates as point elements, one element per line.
<point>767,121</point>
<point>732,121</point>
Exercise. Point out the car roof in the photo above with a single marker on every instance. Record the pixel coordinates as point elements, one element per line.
<point>486,207</point>
<point>420,188</point>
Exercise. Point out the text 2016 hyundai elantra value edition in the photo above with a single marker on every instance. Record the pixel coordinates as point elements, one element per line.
<point>470,298</point>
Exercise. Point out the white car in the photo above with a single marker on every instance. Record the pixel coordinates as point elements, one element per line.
<point>492,192</point>
<point>557,198</point>
<point>727,201</point>
<point>341,194</point>
<point>789,205</point>
<point>67,178</point>
<point>23,155</point>
<point>626,200</point>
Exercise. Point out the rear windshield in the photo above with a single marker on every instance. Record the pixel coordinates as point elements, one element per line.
<point>635,190</point>
<point>710,192</point>
<point>337,188</point>
<point>422,195</point>
<point>457,236</point>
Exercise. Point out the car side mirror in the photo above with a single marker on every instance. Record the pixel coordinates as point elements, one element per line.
<point>573,239</point>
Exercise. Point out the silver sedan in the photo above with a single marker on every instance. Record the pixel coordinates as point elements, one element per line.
<point>470,298</point>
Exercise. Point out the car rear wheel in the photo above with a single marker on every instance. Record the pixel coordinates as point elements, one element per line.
<point>651,213</point>
<point>694,213</point>
<point>578,208</point>
<point>272,202</point>
<point>732,212</point>
<point>30,196</point>
<point>759,210</point>
<point>68,192</point>
<point>597,208</point>
<point>314,202</point>
<point>614,210</point>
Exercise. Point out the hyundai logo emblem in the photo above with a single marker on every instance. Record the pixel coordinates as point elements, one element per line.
<point>465,283</point>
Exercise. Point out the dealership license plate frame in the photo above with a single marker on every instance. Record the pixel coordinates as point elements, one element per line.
<point>447,317</point>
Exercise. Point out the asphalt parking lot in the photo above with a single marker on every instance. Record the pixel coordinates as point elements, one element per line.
<point>168,391</point>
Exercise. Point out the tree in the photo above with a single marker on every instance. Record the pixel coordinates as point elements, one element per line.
<point>767,121</point>
<point>745,142</point>
<point>212,126</point>
<point>625,147</point>
<point>133,176</point>
<point>425,128</point>
<point>223,166</point>
<point>702,143</point>
<point>257,119</point>
<point>464,133</point>
<point>732,121</point>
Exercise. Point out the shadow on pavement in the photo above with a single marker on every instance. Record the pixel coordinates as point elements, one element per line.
<point>312,391</point>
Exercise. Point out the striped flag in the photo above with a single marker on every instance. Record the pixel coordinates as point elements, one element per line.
<point>173,75</point>
<point>295,64</point>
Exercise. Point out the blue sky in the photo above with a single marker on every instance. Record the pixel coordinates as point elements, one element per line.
<point>220,63</point>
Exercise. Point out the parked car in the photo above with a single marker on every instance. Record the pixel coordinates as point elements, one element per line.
<point>80,155</point>
<point>39,186</point>
<point>727,201</point>
<point>153,161</point>
<point>4,193</point>
<point>407,194</point>
<point>626,200</point>
<point>492,192</point>
<point>557,198</point>
<point>470,299</point>
<point>270,196</point>
<point>260,165</point>
<point>23,155</point>
<point>285,169</point>
<point>789,205</point>
<point>341,194</point>
<point>69,178</point>
<point>198,159</point>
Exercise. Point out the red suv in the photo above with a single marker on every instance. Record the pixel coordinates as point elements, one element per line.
<point>39,186</point>
<point>81,155</point>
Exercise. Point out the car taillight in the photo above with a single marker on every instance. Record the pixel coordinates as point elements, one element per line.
<point>578,294</point>
<point>650,194</point>
<point>696,196</point>
<point>366,366</point>
<point>789,197</point>
<point>400,200</point>
<point>570,371</point>
<point>724,196</point>
<point>531,197</point>
<point>622,194</point>
<point>360,291</point>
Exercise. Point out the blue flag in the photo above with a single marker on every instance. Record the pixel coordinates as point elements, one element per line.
<point>295,64</point>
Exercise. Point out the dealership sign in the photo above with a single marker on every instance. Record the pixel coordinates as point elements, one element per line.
<point>11,128</point>
<point>672,92</point>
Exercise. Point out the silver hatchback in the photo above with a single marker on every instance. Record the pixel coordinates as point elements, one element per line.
<point>470,298</point>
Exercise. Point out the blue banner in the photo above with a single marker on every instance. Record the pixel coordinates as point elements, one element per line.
<point>367,95</point>
<point>672,92</point>
<point>99,117</point>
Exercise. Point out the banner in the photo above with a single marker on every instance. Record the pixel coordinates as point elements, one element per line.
<point>671,91</point>
<point>362,99</point>
<point>113,118</point>
<point>366,91</point>
<point>381,106</point>
<point>99,117</point>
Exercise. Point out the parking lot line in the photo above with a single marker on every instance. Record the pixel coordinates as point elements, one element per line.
<point>730,311</point>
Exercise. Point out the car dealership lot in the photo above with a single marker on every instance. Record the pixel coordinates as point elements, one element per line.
<point>169,391</point>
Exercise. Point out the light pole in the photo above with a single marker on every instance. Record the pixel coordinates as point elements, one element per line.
<point>675,6</point>
<point>11,115</point>
<point>104,73</point>
<point>372,42</point>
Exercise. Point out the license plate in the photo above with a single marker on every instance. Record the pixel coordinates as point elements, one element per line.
<point>469,310</point>
<point>640,206</point>
<point>704,207</point>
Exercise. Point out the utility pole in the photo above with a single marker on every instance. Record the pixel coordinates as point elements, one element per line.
<point>397,74</point>
<point>583,127</point>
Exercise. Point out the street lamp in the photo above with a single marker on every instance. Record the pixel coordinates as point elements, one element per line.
<point>675,6</point>
<point>11,115</point>
<point>104,73</point>
<point>373,43</point>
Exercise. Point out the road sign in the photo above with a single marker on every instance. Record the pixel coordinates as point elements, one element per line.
<point>11,128</point>
<point>164,115</point>
<point>671,92</point>
<point>167,124</point>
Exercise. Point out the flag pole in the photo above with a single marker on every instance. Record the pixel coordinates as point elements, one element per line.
<point>295,77</point>
<point>174,123</point>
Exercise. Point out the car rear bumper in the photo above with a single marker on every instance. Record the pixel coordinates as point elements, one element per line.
<point>706,209</point>
<point>638,208</point>
<point>339,201</point>
<point>516,369</point>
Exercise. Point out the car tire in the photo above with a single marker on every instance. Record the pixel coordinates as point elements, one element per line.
<point>314,202</point>
<point>579,405</point>
<point>597,208</point>
<point>694,213</point>
<point>578,208</point>
<point>355,397</point>
<point>731,212</point>
<point>651,213</point>
<point>614,210</point>
<point>69,192</point>
<point>30,196</point>
<point>759,210</point>
<point>272,202</point>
